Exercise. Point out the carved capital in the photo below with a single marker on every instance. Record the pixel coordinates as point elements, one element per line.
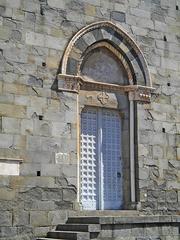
<point>141,94</point>
<point>68,83</point>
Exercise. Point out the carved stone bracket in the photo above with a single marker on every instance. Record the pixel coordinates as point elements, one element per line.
<point>141,94</point>
<point>71,83</point>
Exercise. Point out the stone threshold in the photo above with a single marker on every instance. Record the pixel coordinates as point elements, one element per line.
<point>105,213</point>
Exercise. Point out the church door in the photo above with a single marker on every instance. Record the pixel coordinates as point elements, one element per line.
<point>101,164</point>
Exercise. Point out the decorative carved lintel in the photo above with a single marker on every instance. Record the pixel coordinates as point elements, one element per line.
<point>71,83</point>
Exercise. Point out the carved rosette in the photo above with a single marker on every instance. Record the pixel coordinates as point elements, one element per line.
<point>103,97</point>
<point>71,83</point>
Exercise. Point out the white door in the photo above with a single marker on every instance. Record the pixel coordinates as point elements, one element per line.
<point>100,167</point>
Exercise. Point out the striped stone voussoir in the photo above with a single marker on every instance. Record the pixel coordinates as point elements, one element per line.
<point>106,34</point>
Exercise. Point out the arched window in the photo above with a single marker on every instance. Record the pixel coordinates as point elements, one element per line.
<point>107,70</point>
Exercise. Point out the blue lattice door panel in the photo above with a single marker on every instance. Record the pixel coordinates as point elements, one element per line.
<point>111,161</point>
<point>100,167</point>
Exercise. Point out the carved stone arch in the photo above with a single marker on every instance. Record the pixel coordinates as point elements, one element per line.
<point>117,37</point>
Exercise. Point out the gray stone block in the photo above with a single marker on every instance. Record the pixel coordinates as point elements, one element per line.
<point>54,170</point>
<point>16,55</point>
<point>57,217</point>
<point>34,81</point>
<point>40,205</point>
<point>38,182</point>
<point>69,194</point>
<point>29,169</point>
<point>6,140</point>
<point>40,156</point>
<point>11,125</point>
<point>4,181</point>
<point>6,218</point>
<point>41,231</point>
<point>118,16</point>
<point>20,218</point>
<point>137,231</point>
<point>52,194</point>
<point>39,218</point>
<point>56,4</point>
<point>140,13</point>
<point>33,143</point>
<point>7,232</point>
<point>42,128</point>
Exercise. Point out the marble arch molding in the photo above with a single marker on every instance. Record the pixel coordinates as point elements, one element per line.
<point>106,34</point>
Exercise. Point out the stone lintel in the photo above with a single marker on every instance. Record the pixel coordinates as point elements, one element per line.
<point>71,83</point>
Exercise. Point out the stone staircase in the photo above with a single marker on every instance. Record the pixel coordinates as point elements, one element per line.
<point>85,227</point>
<point>76,228</point>
<point>117,225</point>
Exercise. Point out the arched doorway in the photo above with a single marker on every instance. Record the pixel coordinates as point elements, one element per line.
<point>107,70</point>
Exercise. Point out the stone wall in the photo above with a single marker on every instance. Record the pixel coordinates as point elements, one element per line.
<point>140,228</point>
<point>38,125</point>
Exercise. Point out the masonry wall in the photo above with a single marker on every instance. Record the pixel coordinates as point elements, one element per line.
<point>38,125</point>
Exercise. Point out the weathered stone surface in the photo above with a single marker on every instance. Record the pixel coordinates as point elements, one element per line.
<point>39,218</point>
<point>69,194</point>
<point>118,16</point>
<point>36,39</point>
<point>33,81</point>
<point>56,3</point>
<point>26,126</point>
<point>6,218</point>
<point>41,231</point>
<point>8,110</point>
<point>39,182</point>
<point>40,205</point>
<point>20,218</point>
<point>52,194</point>
<point>158,152</point>
<point>7,194</point>
<point>57,217</point>
<point>10,125</point>
<point>6,140</point>
<point>90,10</point>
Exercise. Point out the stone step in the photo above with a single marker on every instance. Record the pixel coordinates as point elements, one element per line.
<point>105,213</point>
<point>50,238</point>
<point>83,220</point>
<point>78,227</point>
<point>69,235</point>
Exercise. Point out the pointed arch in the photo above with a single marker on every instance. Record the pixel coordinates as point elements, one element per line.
<point>125,46</point>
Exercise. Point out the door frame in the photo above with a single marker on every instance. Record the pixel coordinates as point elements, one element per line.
<point>90,98</point>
